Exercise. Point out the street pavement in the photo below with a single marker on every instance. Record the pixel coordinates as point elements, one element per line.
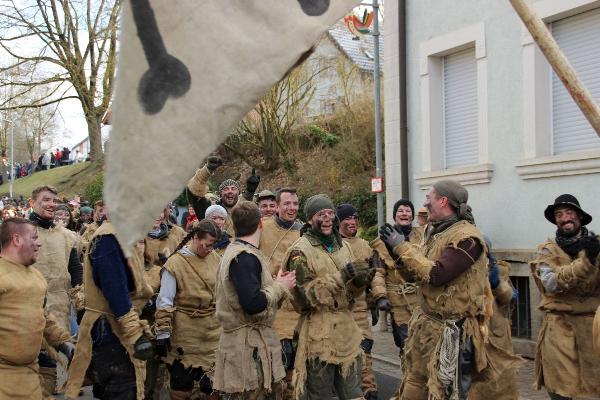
<point>386,365</point>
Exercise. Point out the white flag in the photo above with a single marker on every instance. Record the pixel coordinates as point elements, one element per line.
<point>189,70</point>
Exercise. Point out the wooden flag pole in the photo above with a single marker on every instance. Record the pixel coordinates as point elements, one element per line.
<point>559,63</point>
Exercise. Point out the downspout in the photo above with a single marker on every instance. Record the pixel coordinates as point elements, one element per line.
<point>403,98</point>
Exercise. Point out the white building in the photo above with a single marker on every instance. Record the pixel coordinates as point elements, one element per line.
<point>82,149</point>
<point>346,63</point>
<point>485,108</point>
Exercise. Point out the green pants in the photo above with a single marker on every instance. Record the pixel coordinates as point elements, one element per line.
<point>324,381</point>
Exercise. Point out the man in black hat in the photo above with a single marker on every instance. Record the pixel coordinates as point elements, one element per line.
<point>567,273</point>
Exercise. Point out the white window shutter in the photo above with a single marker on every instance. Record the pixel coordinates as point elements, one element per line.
<point>461,145</point>
<point>579,38</point>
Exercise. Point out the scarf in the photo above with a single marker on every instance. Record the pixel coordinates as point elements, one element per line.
<point>405,229</point>
<point>330,242</point>
<point>160,233</point>
<point>282,223</point>
<point>224,242</point>
<point>41,222</point>
<point>571,244</point>
<point>443,224</point>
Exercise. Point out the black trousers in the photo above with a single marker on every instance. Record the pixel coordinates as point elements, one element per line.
<point>182,378</point>
<point>113,373</point>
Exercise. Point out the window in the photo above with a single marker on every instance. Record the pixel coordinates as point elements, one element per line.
<point>521,313</point>
<point>460,109</point>
<point>454,110</point>
<point>579,38</point>
<point>558,140</point>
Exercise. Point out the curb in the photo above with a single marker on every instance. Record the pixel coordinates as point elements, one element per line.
<point>387,360</point>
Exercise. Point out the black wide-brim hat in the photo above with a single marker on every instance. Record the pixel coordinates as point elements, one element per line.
<point>570,201</point>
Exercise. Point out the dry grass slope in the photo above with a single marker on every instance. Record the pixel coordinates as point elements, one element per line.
<point>68,180</point>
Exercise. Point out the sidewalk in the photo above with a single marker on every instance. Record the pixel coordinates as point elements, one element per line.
<point>385,353</point>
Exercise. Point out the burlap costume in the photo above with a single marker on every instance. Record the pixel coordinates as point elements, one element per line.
<point>468,297</point>
<point>505,387</point>
<point>247,335</point>
<point>86,237</point>
<point>164,246</point>
<point>596,332</point>
<point>565,360</point>
<point>24,327</point>
<point>191,321</point>
<point>327,330</point>
<point>275,240</point>
<point>274,244</point>
<point>392,285</point>
<point>53,262</point>
<point>360,312</point>
<point>127,328</point>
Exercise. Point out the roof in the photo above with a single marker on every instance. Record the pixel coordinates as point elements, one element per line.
<point>360,51</point>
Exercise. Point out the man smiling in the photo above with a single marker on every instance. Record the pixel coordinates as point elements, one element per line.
<point>279,233</point>
<point>58,261</point>
<point>567,272</point>
<point>329,356</point>
<point>25,323</point>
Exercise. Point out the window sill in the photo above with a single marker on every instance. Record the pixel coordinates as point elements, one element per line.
<point>470,175</point>
<point>562,165</point>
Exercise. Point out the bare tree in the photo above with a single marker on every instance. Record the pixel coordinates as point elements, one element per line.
<point>66,45</point>
<point>38,124</point>
<point>265,130</point>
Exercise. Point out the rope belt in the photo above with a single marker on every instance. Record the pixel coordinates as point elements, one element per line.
<point>254,325</point>
<point>449,353</point>
<point>197,313</point>
<point>403,288</point>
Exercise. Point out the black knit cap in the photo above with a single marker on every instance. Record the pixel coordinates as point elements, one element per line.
<point>346,210</point>
<point>403,202</point>
<point>570,201</point>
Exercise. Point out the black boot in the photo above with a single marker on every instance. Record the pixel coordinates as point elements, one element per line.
<point>372,395</point>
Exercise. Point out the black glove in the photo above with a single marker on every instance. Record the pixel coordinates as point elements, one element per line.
<point>591,246</point>
<point>68,349</point>
<point>149,308</point>
<point>384,304</point>
<point>162,258</point>
<point>363,277</point>
<point>252,182</point>
<point>348,272</point>
<point>213,163</point>
<point>375,261</point>
<point>374,315</point>
<point>391,237</point>
<point>142,349</point>
<point>162,347</point>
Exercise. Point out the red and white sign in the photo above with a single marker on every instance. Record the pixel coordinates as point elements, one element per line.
<point>377,185</point>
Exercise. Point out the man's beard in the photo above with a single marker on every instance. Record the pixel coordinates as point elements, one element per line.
<point>568,234</point>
